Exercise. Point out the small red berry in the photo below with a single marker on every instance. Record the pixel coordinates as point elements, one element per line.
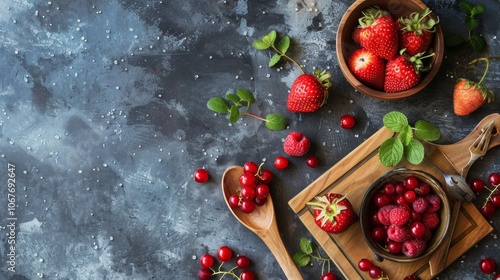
<point>328,276</point>
<point>488,209</point>
<point>410,196</point>
<point>312,161</point>
<point>266,176</point>
<point>247,275</point>
<point>204,274</point>
<point>497,276</point>
<point>494,179</point>
<point>224,253</point>
<point>234,200</point>
<point>389,188</point>
<point>411,277</point>
<point>394,247</point>
<point>201,176</point>
<point>281,162</point>
<point>247,206</point>
<point>242,262</point>
<point>365,264</point>
<point>248,192</point>
<point>495,199</point>
<point>206,261</point>
<point>477,185</point>
<point>250,167</point>
<point>248,180</point>
<point>347,121</point>
<point>381,199</point>
<point>411,182</point>
<point>487,265</point>
<point>262,191</point>
<point>375,272</point>
<point>379,233</point>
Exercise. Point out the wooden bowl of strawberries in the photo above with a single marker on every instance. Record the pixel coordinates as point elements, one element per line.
<point>389,50</point>
<point>404,215</point>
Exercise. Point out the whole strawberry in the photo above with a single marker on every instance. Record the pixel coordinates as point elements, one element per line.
<point>333,213</point>
<point>379,32</point>
<point>404,72</point>
<point>468,96</point>
<point>416,32</point>
<point>309,92</point>
<point>367,67</point>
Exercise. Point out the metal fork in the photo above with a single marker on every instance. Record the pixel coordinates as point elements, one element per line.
<point>479,147</point>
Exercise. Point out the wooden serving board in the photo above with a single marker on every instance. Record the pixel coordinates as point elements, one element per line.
<point>358,170</point>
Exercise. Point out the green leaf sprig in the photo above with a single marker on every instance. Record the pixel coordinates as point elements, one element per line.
<point>309,251</point>
<point>471,23</point>
<point>243,98</point>
<point>405,144</point>
<point>268,41</point>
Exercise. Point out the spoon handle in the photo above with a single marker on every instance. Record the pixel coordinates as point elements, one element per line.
<point>272,239</point>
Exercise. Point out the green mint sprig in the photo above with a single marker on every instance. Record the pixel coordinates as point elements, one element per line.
<point>309,251</point>
<point>405,144</point>
<point>471,23</point>
<point>268,41</point>
<point>243,98</point>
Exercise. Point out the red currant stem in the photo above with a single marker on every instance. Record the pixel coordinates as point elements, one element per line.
<point>255,116</point>
<point>487,60</point>
<point>495,188</point>
<point>289,58</point>
<point>259,169</point>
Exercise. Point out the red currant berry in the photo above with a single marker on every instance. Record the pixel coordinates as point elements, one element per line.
<point>494,179</point>
<point>365,264</point>
<point>250,167</point>
<point>248,180</point>
<point>328,276</point>
<point>262,191</point>
<point>497,276</point>
<point>266,176</point>
<point>477,185</point>
<point>423,189</point>
<point>247,275</point>
<point>206,261</point>
<point>242,262</point>
<point>389,189</point>
<point>400,199</point>
<point>375,272</point>
<point>347,121</point>
<point>224,254</point>
<point>381,199</point>
<point>234,200</point>
<point>394,247</point>
<point>379,233</point>
<point>487,265</point>
<point>373,218</point>
<point>417,229</point>
<point>281,162</point>
<point>201,176</point>
<point>247,206</point>
<point>495,199</point>
<point>411,182</point>
<point>247,192</point>
<point>204,274</point>
<point>312,161</point>
<point>410,196</point>
<point>259,201</point>
<point>411,277</point>
<point>400,188</point>
<point>488,209</point>
<point>415,216</point>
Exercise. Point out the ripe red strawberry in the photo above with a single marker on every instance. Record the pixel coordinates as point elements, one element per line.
<point>309,92</point>
<point>368,68</point>
<point>468,96</point>
<point>296,144</point>
<point>404,72</point>
<point>379,32</point>
<point>333,212</point>
<point>416,32</point>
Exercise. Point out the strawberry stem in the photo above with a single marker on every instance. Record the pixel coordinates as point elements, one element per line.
<point>487,60</point>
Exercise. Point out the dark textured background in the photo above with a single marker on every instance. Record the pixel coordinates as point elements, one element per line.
<point>103,113</point>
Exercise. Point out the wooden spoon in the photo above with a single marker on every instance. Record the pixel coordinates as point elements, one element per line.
<point>262,221</point>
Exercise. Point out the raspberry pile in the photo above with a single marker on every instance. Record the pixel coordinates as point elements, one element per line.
<point>254,188</point>
<point>404,216</point>
<point>493,199</point>
<point>224,255</point>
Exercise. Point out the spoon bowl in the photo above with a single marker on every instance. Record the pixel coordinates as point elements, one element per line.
<point>262,221</point>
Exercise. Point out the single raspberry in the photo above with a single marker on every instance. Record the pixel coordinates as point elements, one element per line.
<point>296,144</point>
<point>430,220</point>
<point>383,214</point>
<point>414,247</point>
<point>399,215</point>
<point>435,202</point>
<point>420,205</point>
<point>398,233</point>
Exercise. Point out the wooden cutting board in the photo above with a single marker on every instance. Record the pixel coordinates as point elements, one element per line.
<point>358,170</point>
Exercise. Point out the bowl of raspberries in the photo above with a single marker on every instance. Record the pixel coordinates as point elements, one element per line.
<point>389,50</point>
<point>404,215</point>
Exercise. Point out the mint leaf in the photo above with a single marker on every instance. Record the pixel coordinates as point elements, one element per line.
<point>471,23</point>
<point>391,152</point>
<point>275,122</point>
<point>478,43</point>
<point>270,38</point>
<point>245,95</point>
<point>406,134</point>
<point>234,98</point>
<point>427,131</point>
<point>466,6</point>
<point>234,114</point>
<point>274,59</point>
<point>284,44</point>
<point>218,104</point>
<point>395,121</point>
<point>260,45</point>
<point>479,9</point>
<point>414,152</point>
<point>306,246</point>
<point>301,259</point>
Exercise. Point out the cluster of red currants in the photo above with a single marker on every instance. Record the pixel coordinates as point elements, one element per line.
<point>254,183</point>
<point>225,254</point>
<point>376,272</point>
<point>488,266</point>
<point>493,199</point>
